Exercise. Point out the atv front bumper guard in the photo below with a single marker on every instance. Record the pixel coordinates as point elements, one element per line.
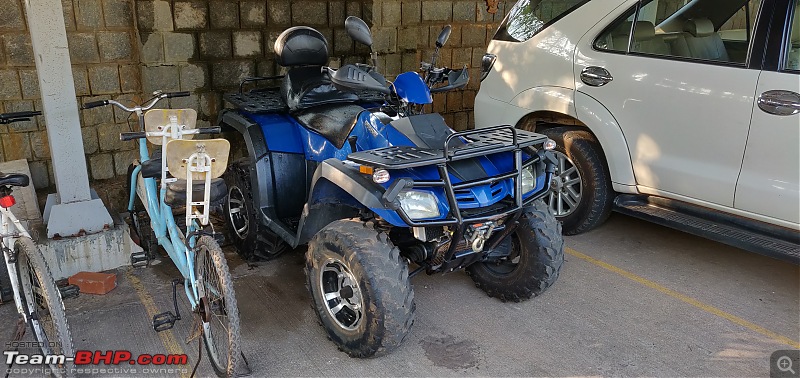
<point>471,144</point>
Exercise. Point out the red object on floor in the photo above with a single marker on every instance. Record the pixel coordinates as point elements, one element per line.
<point>94,283</point>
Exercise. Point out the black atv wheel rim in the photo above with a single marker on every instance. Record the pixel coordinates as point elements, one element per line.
<point>565,187</point>
<point>341,294</point>
<point>237,212</point>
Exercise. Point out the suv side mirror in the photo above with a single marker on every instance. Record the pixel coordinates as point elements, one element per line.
<point>358,30</point>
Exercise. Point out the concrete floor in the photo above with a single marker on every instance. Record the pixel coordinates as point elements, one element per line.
<point>633,299</point>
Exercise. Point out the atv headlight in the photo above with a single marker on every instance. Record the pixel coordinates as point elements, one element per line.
<point>419,204</point>
<point>528,179</point>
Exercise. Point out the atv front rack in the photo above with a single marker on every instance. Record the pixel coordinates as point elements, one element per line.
<point>460,146</point>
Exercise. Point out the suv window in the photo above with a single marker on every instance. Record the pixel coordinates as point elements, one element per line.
<point>528,17</point>
<point>792,60</point>
<point>684,29</point>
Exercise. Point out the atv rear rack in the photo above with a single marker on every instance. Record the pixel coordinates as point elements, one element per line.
<point>459,146</point>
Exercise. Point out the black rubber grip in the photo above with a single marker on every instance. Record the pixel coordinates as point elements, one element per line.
<point>209,130</point>
<point>94,104</point>
<point>20,115</point>
<point>177,94</point>
<point>132,136</point>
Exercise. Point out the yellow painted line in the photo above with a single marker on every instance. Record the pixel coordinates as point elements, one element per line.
<point>167,337</point>
<point>687,299</point>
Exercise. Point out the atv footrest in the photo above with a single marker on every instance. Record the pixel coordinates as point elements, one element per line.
<point>164,321</point>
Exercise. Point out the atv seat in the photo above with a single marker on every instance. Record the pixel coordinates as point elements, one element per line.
<point>306,87</point>
<point>334,121</point>
<point>14,179</point>
<point>176,191</point>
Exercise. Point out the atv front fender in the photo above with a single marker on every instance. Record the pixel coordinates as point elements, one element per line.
<point>339,192</point>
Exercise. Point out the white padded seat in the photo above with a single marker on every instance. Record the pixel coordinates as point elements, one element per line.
<point>700,41</point>
<point>645,39</point>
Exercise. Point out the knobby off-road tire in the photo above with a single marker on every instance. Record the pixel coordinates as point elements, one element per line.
<point>535,261</point>
<point>221,334</point>
<point>41,296</point>
<point>597,194</point>
<point>350,264</point>
<point>252,239</point>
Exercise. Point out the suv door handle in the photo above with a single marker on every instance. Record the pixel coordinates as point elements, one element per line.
<point>596,76</point>
<point>778,102</point>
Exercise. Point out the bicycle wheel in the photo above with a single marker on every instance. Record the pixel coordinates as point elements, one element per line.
<point>219,311</point>
<point>42,299</point>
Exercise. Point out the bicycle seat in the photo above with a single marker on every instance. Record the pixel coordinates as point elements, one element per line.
<point>152,168</point>
<point>14,179</point>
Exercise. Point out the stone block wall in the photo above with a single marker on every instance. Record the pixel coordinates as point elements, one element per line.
<point>405,32</point>
<point>105,64</point>
<point>126,49</point>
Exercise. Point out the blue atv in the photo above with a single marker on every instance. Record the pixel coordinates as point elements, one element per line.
<point>347,162</point>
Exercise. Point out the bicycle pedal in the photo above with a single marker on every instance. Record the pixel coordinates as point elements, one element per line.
<point>164,321</point>
<point>139,259</point>
<point>69,291</point>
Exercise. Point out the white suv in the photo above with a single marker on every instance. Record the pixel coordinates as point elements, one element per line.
<point>683,112</point>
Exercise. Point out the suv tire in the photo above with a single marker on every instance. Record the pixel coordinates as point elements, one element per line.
<point>582,150</point>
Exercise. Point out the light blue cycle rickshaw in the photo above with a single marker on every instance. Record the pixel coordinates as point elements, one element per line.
<point>184,172</point>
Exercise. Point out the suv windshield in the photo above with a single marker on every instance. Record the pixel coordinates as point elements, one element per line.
<point>528,17</point>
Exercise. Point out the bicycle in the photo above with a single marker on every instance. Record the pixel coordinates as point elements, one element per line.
<point>186,169</point>
<point>35,293</point>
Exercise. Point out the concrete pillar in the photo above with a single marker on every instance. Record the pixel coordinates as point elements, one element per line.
<point>72,209</point>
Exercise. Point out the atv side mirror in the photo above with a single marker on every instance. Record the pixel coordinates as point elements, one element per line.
<point>352,78</point>
<point>358,30</point>
<point>443,36</point>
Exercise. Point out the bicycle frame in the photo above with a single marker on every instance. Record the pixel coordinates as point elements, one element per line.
<point>162,220</point>
<point>10,230</point>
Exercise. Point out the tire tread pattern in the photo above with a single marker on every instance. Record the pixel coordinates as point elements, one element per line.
<point>538,269</point>
<point>231,306</point>
<point>391,315</point>
<point>52,297</point>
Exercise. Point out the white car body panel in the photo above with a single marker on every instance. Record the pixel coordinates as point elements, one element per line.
<point>725,209</point>
<point>615,146</point>
<point>542,61</point>
<point>769,184</point>
<point>685,122</point>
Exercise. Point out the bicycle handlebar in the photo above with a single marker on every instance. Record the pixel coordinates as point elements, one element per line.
<point>152,103</point>
<point>94,104</point>
<point>140,134</point>
<point>132,135</point>
<point>177,94</point>
<point>18,116</point>
<point>209,130</point>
